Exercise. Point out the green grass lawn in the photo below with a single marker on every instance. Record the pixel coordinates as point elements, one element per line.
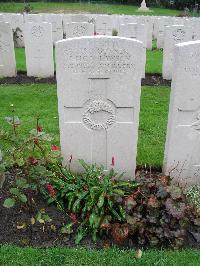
<point>153,63</point>
<point>31,100</point>
<point>84,7</point>
<point>15,256</point>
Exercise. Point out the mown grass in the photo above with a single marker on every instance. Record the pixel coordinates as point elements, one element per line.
<point>84,7</point>
<point>15,256</point>
<point>153,63</point>
<point>31,100</point>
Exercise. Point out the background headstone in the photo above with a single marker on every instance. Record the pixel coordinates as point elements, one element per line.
<point>7,53</point>
<point>39,49</point>
<point>148,22</point>
<point>138,32</point>
<point>78,29</point>
<point>182,156</point>
<point>104,25</point>
<point>36,18</point>
<point>57,28</point>
<point>79,18</point>
<point>173,35</point>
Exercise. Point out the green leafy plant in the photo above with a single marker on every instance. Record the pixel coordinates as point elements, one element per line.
<point>30,158</point>
<point>93,198</point>
<point>17,193</point>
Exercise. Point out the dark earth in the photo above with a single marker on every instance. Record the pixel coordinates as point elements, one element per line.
<point>22,78</point>
<point>16,227</point>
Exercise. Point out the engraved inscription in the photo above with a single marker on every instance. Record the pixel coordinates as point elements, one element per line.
<point>100,60</point>
<point>79,30</point>
<point>99,115</point>
<point>196,124</point>
<point>178,35</point>
<point>193,70</point>
<point>37,31</point>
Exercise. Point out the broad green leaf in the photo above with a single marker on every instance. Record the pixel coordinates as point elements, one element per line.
<point>79,237</point>
<point>22,198</point>
<point>101,200</point>
<point>15,191</point>
<point>9,203</point>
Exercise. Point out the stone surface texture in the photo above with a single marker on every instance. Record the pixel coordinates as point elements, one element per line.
<point>39,49</point>
<point>78,29</point>
<point>99,83</point>
<point>182,156</point>
<point>173,35</point>
<point>7,53</point>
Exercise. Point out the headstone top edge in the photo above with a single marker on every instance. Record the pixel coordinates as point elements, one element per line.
<point>96,38</point>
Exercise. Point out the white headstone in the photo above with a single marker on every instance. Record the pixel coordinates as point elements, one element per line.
<point>124,19</point>
<point>78,29</point>
<point>182,156</point>
<point>99,83</point>
<point>17,24</point>
<point>66,19</point>
<point>39,49</point>
<point>7,53</point>
<point>1,18</point>
<point>148,22</point>
<point>104,25</point>
<point>138,32</point>
<point>36,18</point>
<point>57,29</point>
<point>79,18</point>
<point>161,24</point>
<point>173,35</point>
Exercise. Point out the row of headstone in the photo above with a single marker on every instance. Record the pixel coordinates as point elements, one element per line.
<point>104,24</point>
<point>39,47</point>
<point>99,83</point>
<point>161,23</point>
<point>172,35</point>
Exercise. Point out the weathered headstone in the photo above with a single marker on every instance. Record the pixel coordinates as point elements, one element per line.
<point>138,32</point>
<point>79,18</point>
<point>182,156</point>
<point>99,83</point>
<point>104,25</point>
<point>148,22</point>
<point>16,22</point>
<point>173,35</point>
<point>57,28</point>
<point>78,29</point>
<point>161,24</point>
<point>124,19</point>
<point>39,49</point>
<point>36,18</point>
<point>17,25</point>
<point>7,53</point>
<point>1,18</point>
<point>65,20</point>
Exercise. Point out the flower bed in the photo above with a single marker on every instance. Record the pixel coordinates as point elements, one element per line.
<point>44,203</point>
